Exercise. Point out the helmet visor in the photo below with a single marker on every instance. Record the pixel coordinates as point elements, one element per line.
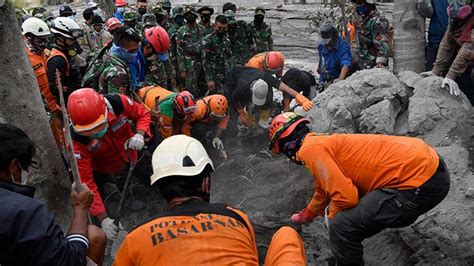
<point>93,127</point>
<point>189,109</point>
<point>218,116</point>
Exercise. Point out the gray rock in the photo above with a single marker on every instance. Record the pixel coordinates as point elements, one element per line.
<point>432,108</point>
<point>343,106</point>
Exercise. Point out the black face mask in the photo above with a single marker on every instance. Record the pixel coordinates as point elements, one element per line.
<point>206,18</point>
<point>190,19</point>
<point>258,20</point>
<point>142,11</point>
<point>221,33</point>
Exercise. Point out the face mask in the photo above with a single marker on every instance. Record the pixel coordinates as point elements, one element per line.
<point>362,10</point>
<point>179,20</point>
<point>120,9</point>
<point>258,20</point>
<point>100,134</point>
<point>221,33</point>
<point>190,19</point>
<point>24,176</point>
<point>122,53</point>
<point>142,11</point>
<point>206,18</point>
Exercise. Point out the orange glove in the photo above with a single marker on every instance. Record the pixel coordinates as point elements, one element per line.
<point>303,216</point>
<point>303,102</point>
<point>244,117</point>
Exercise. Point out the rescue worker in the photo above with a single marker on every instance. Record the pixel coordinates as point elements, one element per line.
<point>335,59</point>
<point>301,81</point>
<point>217,55</point>
<point>116,76</point>
<point>363,183</point>
<point>65,48</point>
<point>205,14</point>
<point>28,232</point>
<point>96,38</point>
<point>119,10</point>
<point>241,38</point>
<point>272,62</point>
<point>456,43</point>
<point>212,109</point>
<point>262,32</point>
<point>188,41</point>
<point>104,142</point>
<point>168,109</point>
<point>130,20</point>
<point>35,35</point>
<point>198,232</point>
<point>372,31</point>
<point>112,25</point>
<point>246,85</point>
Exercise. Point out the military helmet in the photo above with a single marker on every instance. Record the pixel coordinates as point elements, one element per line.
<point>259,11</point>
<point>159,11</point>
<point>177,11</point>
<point>230,16</point>
<point>190,9</point>
<point>129,15</point>
<point>166,4</point>
<point>149,20</point>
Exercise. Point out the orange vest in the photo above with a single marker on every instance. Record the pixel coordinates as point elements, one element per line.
<point>201,239</point>
<point>150,94</point>
<point>257,61</point>
<point>55,52</point>
<point>345,167</point>
<point>38,62</point>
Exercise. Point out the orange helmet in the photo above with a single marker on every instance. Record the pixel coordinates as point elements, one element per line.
<point>274,61</point>
<point>87,109</point>
<point>282,126</point>
<point>119,3</point>
<point>218,106</point>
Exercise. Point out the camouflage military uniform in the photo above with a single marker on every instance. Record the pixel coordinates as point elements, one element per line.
<point>208,29</point>
<point>241,37</point>
<point>217,58</point>
<point>115,78</point>
<point>130,16</point>
<point>188,41</point>
<point>263,37</point>
<point>373,39</point>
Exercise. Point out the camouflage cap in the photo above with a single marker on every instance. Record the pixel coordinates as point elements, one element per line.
<point>259,11</point>
<point>230,16</point>
<point>149,20</point>
<point>166,4</point>
<point>190,9</point>
<point>159,11</point>
<point>177,11</point>
<point>129,15</point>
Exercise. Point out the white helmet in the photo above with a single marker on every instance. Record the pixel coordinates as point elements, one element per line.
<point>36,27</point>
<point>66,27</point>
<point>179,155</point>
<point>259,92</point>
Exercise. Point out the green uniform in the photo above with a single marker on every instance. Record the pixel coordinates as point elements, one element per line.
<point>217,58</point>
<point>263,37</point>
<point>208,29</point>
<point>188,41</point>
<point>115,78</point>
<point>373,40</point>
<point>161,74</point>
<point>241,37</point>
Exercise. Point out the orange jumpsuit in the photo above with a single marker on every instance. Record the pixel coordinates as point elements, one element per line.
<point>206,239</point>
<point>202,115</point>
<point>346,167</point>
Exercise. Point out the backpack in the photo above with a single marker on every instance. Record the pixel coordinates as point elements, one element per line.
<point>95,68</point>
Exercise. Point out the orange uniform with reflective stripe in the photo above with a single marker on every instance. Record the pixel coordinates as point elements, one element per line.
<point>38,61</point>
<point>204,239</point>
<point>257,61</point>
<point>345,167</point>
<point>202,115</point>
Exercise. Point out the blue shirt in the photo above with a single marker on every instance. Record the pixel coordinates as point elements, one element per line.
<point>438,22</point>
<point>331,62</point>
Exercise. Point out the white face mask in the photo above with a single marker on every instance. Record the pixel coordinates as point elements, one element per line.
<point>24,177</point>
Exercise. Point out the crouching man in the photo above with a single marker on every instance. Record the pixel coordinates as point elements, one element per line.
<point>194,231</point>
<point>364,183</point>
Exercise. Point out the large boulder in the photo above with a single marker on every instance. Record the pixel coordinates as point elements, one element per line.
<point>369,101</point>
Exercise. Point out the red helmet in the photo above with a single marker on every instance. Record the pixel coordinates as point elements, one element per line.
<point>87,109</point>
<point>282,126</point>
<point>274,61</point>
<point>119,3</point>
<point>158,38</point>
<point>113,23</point>
<point>184,103</point>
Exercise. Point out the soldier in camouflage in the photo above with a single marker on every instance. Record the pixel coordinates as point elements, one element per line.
<point>188,41</point>
<point>262,32</point>
<point>206,12</point>
<point>176,22</point>
<point>372,32</point>
<point>130,19</point>
<point>217,55</point>
<point>241,37</point>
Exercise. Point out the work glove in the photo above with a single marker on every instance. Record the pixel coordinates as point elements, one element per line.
<point>244,117</point>
<point>304,216</point>
<point>428,74</point>
<point>136,142</point>
<point>110,229</point>
<point>452,85</point>
<point>303,102</point>
<point>217,143</point>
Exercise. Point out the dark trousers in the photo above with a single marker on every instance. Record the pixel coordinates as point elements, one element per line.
<point>431,53</point>
<point>380,209</point>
